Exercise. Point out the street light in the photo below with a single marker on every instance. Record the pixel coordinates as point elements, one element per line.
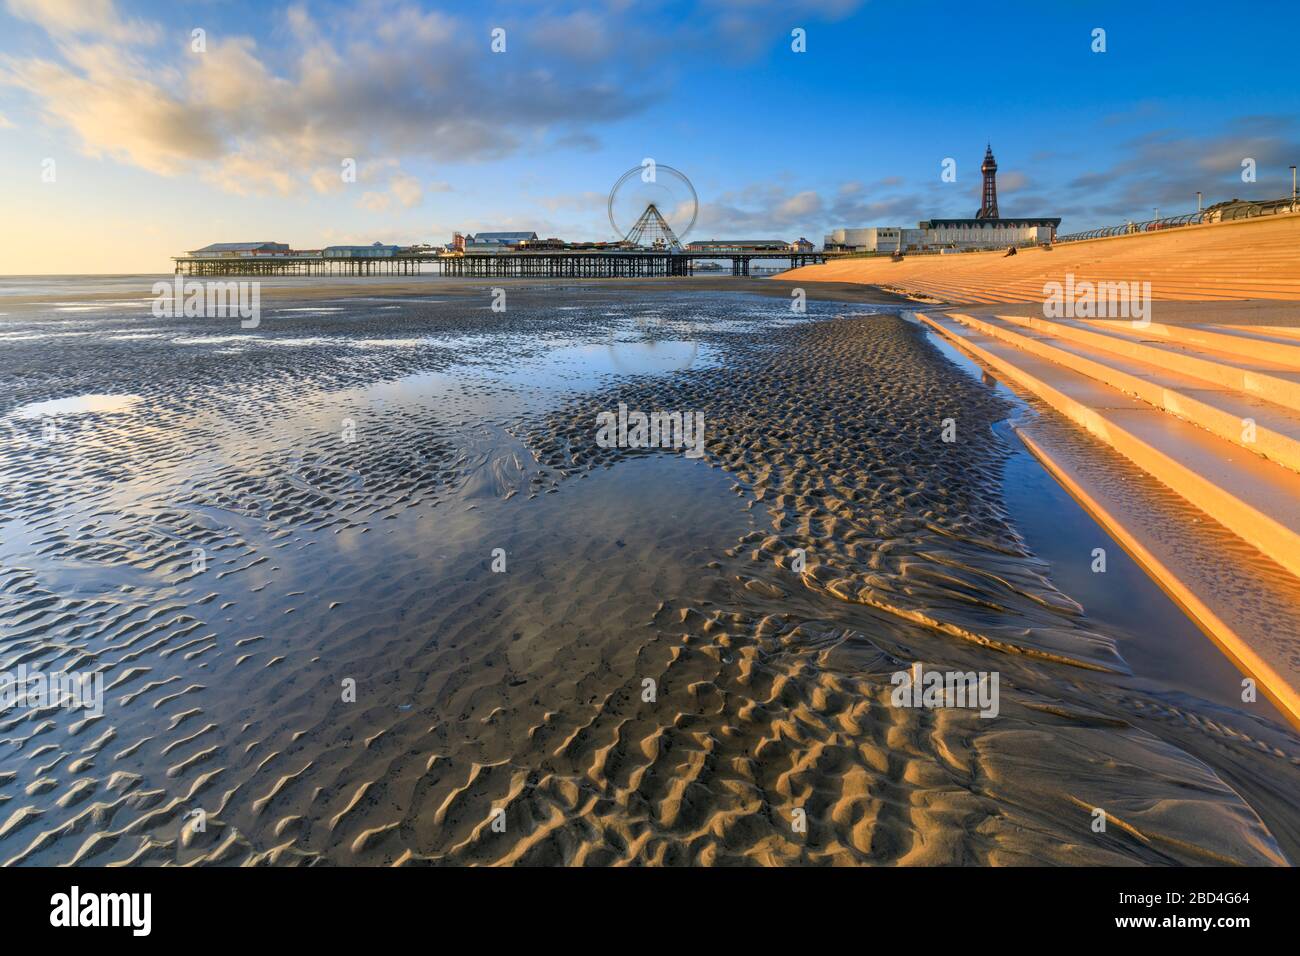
<point>1198,200</point>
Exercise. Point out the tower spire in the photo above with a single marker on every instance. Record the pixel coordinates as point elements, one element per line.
<point>989,200</point>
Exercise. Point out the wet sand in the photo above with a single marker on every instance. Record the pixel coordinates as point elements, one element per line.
<point>350,469</point>
<point>43,292</point>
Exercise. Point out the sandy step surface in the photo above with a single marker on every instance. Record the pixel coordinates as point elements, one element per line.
<point>1266,429</point>
<point>1256,500</point>
<point>1273,381</point>
<point>1245,343</point>
<point>1255,259</point>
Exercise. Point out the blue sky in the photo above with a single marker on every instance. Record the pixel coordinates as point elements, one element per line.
<point>158,147</point>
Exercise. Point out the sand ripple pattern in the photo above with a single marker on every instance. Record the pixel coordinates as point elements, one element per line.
<point>518,699</point>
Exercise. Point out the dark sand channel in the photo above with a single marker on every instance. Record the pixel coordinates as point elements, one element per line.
<point>348,471</point>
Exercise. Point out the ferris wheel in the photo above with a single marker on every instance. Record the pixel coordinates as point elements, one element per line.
<point>653,206</point>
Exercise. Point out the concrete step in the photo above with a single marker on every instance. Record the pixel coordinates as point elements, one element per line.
<point>1272,432</point>
<point>1240,341</point>
<point>1255,499</point>
<point>988,291</point>
<point>1272,381</point>
<point>1283,333</point>
<point>1245,603</point>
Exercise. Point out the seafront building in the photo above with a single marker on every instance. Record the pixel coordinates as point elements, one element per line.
<point>737,245</point>
<point>495,241</point>
<point>749,245</point>
<point>241,250</point>
<point>376,250</point>
<point>945,234</point>
<point>986,230</point>
<point>250,250</point>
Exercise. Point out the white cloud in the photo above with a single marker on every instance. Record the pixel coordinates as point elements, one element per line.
<point>402,189</point>
<point>67,18</point>
<point>580,35</point>
<point>1012,182</point>
<point>101,94</point>
<point>390,79</point>
<point>799,205</point>
<point>406,189</point>
<point>574,202</point>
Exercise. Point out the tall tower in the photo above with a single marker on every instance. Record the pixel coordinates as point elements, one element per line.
<point>989,203</point>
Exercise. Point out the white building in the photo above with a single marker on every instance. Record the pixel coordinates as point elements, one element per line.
<point>945,234</point>
<point>855,240</point>
<point>986,233</point>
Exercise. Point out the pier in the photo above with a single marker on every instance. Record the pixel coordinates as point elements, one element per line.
<point>300,265</point>
<point>551,264</point>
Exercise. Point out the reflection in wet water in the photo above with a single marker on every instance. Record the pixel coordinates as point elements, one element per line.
<point>585,365</point>
<point>78,405</point>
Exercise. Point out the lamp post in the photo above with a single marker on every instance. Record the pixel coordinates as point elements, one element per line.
<point>1198,200</point>
<point>1293,188</point>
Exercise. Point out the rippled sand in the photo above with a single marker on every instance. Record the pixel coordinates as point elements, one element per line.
<point>330,560</point>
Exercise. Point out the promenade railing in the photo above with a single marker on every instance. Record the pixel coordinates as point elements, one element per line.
<point>1131,228</point>
<point>1224,213</point>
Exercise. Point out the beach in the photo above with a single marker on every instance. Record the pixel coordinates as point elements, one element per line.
<point>364,588</point>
